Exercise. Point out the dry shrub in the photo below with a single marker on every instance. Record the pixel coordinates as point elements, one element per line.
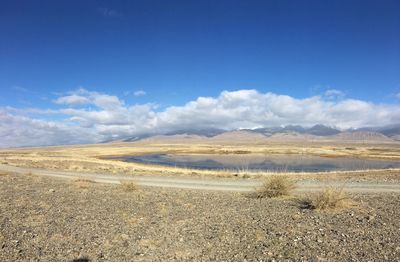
<point>129,186</point>
<point>330,198</point>
<point>83,183</point>
<point>276,186</point>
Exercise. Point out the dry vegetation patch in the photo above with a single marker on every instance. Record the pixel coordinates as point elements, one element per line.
<point>330,198</point>
<point>83,183</point>
<point>129,186</point>
<point>276,186</point>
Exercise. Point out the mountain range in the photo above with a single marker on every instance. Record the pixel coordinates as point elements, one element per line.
<point>285,133</point>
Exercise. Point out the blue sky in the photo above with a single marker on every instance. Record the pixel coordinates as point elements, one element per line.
<point>173,52</point>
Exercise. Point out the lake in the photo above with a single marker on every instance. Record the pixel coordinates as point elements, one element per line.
<point>294,163</point>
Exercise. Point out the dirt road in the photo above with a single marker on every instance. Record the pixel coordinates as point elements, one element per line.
<point>203,183</point>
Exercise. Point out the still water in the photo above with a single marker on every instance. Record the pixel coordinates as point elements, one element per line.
<point>295,163</point>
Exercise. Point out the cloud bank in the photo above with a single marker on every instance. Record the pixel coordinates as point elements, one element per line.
<point>90,117</point>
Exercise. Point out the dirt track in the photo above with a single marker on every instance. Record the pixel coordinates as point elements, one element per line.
<point>204,183</point>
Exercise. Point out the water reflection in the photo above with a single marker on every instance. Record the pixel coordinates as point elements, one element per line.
<point>296,163</point>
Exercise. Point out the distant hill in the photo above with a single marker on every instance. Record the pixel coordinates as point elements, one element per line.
<point>395,137</point>
<point>135,138</point>
<point>173,138</point>
<point>200,132</point>
<point>265,134</point>
<point>321,130</point>
<point>170,135</point>
<point>239,136</point>
<point>318,130</point>
<point>389,131</point>
<point>291,136</point>
<point>361,136</point>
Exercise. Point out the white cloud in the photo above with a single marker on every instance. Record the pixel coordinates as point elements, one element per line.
<point>16,130</point>
<point>104,116</point>
<point>334,93</point>
<point>249,108</point>
<point>106,101</point>
<point>71,100</point>
<point>139,93</point>
<point>83,96</point>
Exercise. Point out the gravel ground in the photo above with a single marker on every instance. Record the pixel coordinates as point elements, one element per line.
<point>44,219</point>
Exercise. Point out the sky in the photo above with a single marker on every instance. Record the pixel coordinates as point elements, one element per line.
<point>89,71</point>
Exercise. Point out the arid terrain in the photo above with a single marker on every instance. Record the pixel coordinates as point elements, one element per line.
<point>110,210</point>
<point>47,219</point>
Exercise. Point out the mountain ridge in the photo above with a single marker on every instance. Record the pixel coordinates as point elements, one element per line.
<point>289,133</point>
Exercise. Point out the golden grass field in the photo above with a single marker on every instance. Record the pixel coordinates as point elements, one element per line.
<point>91,158</point>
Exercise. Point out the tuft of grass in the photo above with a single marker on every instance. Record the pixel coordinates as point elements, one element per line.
<point>276,186</point>
<point>83,183</point>
<point>329,199</point>
<point>129,186</point>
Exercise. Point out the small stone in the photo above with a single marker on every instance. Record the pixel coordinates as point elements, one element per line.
<point>52,190</point>
<point>124,236</point>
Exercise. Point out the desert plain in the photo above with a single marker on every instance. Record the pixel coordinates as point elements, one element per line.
<point>62,204</point>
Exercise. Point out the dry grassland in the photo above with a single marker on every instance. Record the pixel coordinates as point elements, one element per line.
<point>93,158</point>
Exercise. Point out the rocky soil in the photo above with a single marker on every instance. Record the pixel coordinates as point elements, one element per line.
<point>44,219</point>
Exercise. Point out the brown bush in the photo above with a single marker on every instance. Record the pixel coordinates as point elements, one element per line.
<point>276,186</point>
<point>330,198</point>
